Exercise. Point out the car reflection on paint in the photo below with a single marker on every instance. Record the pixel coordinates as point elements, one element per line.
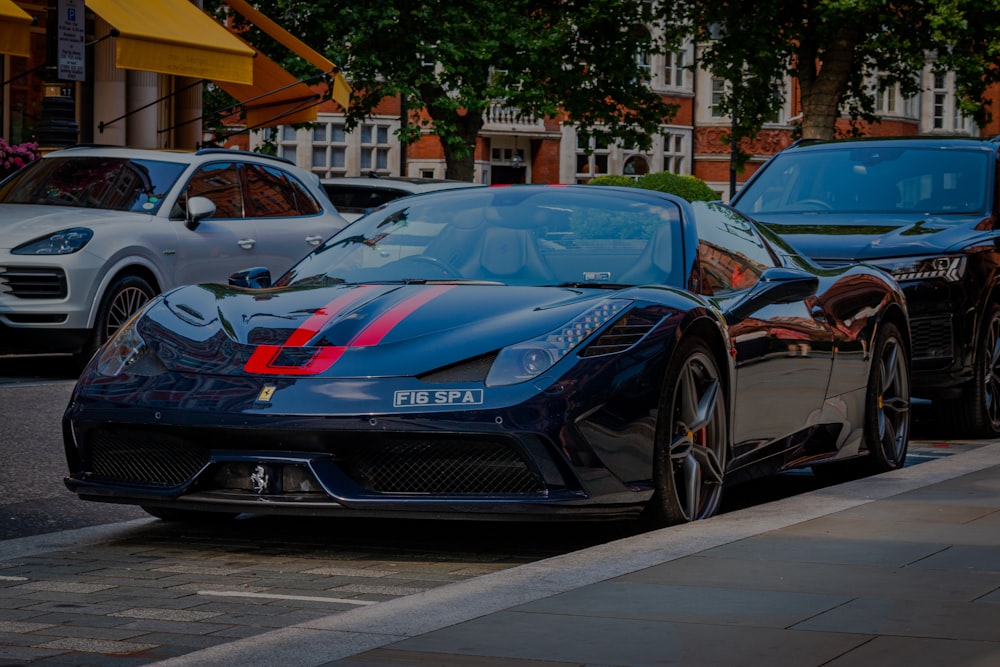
<point>519,352</point>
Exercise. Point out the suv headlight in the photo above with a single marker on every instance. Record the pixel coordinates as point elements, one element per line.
<point>523,361</point>
<point>60,243</point>
<point>950,268</point>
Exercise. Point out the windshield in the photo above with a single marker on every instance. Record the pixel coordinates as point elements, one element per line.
<point>111,183</point>
<point>520,235</point>
<point>871,179</point>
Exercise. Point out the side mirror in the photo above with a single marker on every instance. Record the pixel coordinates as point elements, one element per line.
<point>776,285</point>
<point>198,208</point>
<point>256,278</point>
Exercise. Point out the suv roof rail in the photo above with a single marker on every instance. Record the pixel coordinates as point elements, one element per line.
<point>235,151</point>
<point>995,140</point>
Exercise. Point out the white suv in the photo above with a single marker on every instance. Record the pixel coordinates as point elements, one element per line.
<point>89,234</point>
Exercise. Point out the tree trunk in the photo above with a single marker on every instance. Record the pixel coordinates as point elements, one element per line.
<point>823,85</point>
<point>460,144</point>
<point>460,154</point>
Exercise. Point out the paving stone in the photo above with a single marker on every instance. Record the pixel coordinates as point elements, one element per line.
<point>165,614</point>
<point>23,626</point>
<point>95,645</point>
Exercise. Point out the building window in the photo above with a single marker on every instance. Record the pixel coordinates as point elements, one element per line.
<point>375,148</point>
<point>718,91</point>
<point>675,150</point>
<point>329,149</point>
<point>946,114</point>
<point>636,166</point>
<point>644,59</point>
<point>591,158</point>
<point>885,101</point>
<point>675,72</point>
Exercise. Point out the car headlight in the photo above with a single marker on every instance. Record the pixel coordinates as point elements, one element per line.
<point>948,267</point>
<point>60,243</point>
<point>121,351</point>
<point>529,359</point>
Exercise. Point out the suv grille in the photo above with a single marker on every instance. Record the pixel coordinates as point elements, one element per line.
<point>932,338</point>
<point>34,283</point>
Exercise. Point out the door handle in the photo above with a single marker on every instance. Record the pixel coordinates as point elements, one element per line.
<point>314,240</point>
<point>247,244</point>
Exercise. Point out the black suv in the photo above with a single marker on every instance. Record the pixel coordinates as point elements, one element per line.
<point>926,211</point>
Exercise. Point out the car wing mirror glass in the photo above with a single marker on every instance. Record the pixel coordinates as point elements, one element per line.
<point>198,208</point>
<point>776,285</point>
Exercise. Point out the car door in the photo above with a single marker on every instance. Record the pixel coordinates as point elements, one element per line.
<point>288,220</point>
<point>222,243</point>
<point>783,351</point>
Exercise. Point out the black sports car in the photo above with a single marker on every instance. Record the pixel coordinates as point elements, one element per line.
<point>526,351</point>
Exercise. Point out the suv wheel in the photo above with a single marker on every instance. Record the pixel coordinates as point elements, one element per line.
<point>125,296</point>
<point>978,410</point>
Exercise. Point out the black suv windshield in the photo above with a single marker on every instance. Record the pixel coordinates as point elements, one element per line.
<point>872,179</point>
<point>111,183</point>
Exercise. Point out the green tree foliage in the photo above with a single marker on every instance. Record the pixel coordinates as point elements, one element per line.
<point>453,61</point>
<point>832,48</point>
<point>691,188</point>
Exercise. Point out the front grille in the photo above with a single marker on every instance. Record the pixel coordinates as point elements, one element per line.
<point>388,464</point>
<point>442,466</point>
<point>149,458</point>
<point>932,338</point>
<point>34,283</point>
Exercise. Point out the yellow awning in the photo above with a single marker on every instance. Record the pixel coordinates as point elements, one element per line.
<point>14,34</point>
<point>275,97</point>
<point>175,37</point>
<point>341,92</point>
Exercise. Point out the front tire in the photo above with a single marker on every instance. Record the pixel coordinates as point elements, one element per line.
<point>690,453</point>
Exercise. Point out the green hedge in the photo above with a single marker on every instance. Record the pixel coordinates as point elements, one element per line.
<point>691,188</point>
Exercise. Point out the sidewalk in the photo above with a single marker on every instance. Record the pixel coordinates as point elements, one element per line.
<point>899,569</point>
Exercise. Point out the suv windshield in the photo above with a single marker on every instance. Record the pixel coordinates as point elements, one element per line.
<point>872,179</point>
<point>111,183</point>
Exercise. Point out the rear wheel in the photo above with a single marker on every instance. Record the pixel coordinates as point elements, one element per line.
<point>978,410</point>
<point>887,412</point>
<point>690,451</point>
<point>887,404</point>
<point>124,297</point>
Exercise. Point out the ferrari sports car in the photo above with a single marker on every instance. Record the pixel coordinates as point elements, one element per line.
<point>521,352</point>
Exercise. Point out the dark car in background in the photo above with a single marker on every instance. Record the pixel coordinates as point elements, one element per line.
<point>924,209</point>
<point>356,195</point>
<point>516,352</point>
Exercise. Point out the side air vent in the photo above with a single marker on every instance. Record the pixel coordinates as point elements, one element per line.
<point>623,334</point>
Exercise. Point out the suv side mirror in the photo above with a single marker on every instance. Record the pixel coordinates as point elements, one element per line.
<point>198,208</point>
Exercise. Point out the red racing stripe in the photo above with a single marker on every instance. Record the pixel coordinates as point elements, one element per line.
<point>262,360</point>
<point>384,323</point>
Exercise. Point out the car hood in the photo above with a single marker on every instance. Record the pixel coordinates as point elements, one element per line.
<point>861,237</point>
<point>350,331</point>
<point>25,222</point>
